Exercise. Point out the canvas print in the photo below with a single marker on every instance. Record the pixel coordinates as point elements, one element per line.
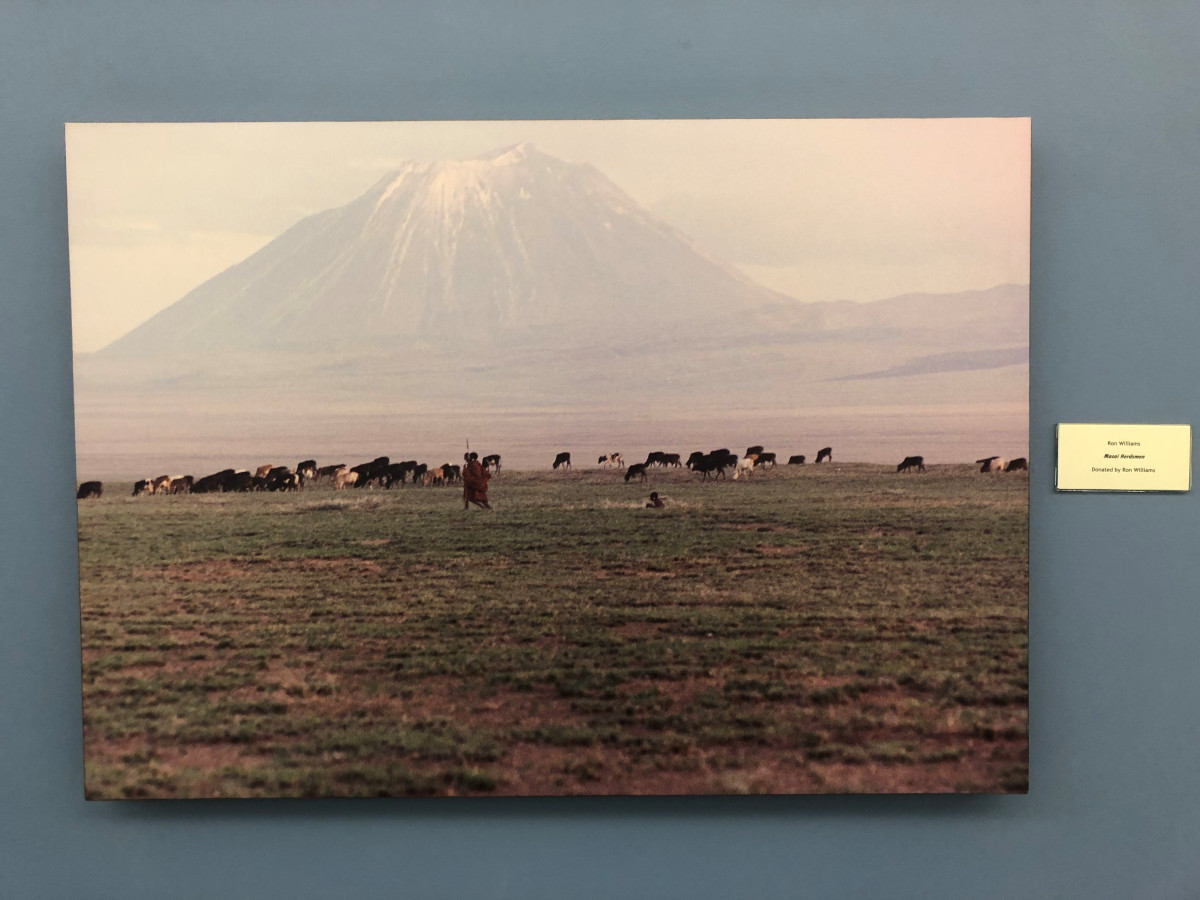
<point>554,457</point>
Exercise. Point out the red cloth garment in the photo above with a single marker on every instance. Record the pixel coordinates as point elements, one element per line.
<point>475,482</point>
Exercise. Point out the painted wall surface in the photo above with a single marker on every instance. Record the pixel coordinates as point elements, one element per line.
<point>1114,803</point>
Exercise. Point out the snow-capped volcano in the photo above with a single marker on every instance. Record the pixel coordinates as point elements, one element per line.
<point>511,243</point>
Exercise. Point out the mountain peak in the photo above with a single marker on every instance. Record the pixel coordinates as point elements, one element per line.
<point>517,153</point>
<point>514,242</point>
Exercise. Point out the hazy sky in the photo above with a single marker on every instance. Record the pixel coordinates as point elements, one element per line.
<point>857,209</point>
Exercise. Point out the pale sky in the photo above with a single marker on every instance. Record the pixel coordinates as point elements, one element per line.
<point>854,209</point>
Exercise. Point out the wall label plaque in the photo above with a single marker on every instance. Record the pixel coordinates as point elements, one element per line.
<point>1108,457</point>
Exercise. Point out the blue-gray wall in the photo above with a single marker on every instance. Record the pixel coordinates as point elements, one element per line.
<point>1114,803</point>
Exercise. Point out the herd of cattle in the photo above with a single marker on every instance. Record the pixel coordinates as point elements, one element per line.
<point>379,472</point>
<point>382,472</point>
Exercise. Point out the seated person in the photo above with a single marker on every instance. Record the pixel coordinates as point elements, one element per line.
<point>655,501</point>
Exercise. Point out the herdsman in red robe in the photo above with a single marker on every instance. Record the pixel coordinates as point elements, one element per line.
<point>475,483</point>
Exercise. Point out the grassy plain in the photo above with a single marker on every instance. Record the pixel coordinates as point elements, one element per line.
<point>819,629</point>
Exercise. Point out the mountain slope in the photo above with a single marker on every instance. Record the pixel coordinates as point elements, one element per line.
<point>481,250</point>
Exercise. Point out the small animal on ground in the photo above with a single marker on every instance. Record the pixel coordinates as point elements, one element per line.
<point>912,462</point>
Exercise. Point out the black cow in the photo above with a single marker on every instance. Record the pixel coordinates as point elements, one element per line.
<point>563,459</point>
<point>307,469</point>
<point>1020,464</point>
<point>242,482</point>
<point>714,464</point>
<point>764,459</point>
<point>912,462</point>
<point>757,448</point>
<point>418,472</point>
<point>796,460</point>
<point>182,485</point>
<point>89,489</point>
<point>213,483</point>
<point>399,472</point>
<point>636,470</point>
<point>374,471</point>
<point>451,472</point>
<point>694,458</point>
<point>656,458</point>
<point>825,453</point>
<point>140,487</point>
<point>491,461</point>
<point>725,458</point>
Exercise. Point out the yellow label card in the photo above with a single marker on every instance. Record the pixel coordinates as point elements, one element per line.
<point>1124,457</point>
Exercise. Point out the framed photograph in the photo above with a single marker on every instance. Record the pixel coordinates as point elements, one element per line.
<point>552,457</point>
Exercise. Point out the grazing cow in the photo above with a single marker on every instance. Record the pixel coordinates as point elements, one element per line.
<point>912,462</point>
<point>990,464</point>
<point>343,477</point>
<point>825,453</point>
<point>713,464</point>
<point>141,487</point>
<point>243,482</point>
<point>563,459</point>
<point>637,470</point>
<point>373,472</point>
<point>398,472</point>
<point>611,459</point>
<point>418,472</point>
<point>1020,464</point>
<point>182,484</point>
<point>307,470</point>
<point>796,460</point>
<point>492,461</point>
<point>434,476</point>
<point>451,472</point>
<point>672,460</point>
<point>214,482</point>
<point>756,449</point>
<point>744,468</point>
<point>89,489</point>
<point>264,470</point>
<point>160,485</point>
<point>282,479</point>
<point>725,458</point>
<point>694,458</point>
<point>764,459</point>
<point>327,471</point>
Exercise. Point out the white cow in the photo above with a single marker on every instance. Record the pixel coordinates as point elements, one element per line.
<point>745,466</point>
